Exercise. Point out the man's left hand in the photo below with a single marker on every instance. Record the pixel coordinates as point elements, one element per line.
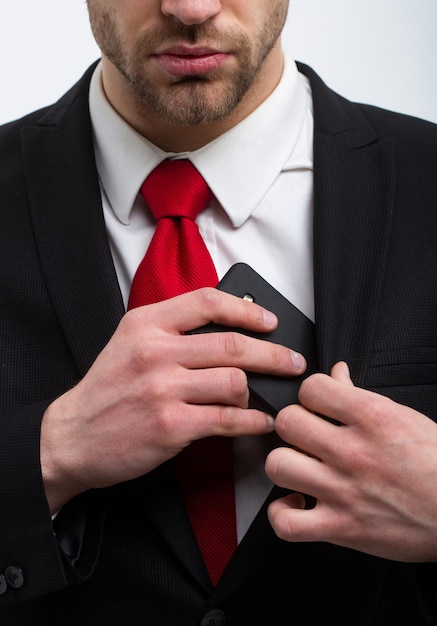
<point>374,476</point>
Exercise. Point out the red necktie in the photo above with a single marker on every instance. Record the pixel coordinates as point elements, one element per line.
<point>178,261</point>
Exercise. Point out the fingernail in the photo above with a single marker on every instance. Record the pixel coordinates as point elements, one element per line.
<point>271,421</point>
<point>270,318</point>
<point>297,360</point>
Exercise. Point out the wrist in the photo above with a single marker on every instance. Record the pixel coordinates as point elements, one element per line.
<point>56,463</point>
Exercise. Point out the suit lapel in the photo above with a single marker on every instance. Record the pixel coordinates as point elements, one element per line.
<point>66,210</point>
<point>165,508</point>
<point>257,549</point>
<point>353,205</point>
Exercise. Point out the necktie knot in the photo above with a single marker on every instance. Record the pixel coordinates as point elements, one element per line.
<point>176,189</point>
<point>177,259</point>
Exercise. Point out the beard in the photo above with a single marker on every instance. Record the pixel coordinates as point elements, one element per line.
<point>191,100</point>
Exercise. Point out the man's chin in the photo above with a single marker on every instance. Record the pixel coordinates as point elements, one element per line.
<point>194,102</point>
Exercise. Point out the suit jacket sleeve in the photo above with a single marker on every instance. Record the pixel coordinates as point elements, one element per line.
<point>39,357</point>
<point>46,556</point>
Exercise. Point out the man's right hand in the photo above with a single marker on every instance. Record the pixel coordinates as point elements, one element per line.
<point>154,389</point>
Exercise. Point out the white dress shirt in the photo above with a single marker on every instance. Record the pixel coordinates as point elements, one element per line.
<point>260,173</point>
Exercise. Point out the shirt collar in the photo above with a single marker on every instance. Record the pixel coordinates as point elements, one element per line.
<point>239,166</point>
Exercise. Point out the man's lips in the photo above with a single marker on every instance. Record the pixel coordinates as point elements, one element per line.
<point>185,61</point>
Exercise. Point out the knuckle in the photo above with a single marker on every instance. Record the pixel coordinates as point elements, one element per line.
<point>135,318</point>
<point>166,424</point>
<point>355,457</point>
<point>155,388</point>
<point>274,464</point>
<point>128,322</point>
<point>271,464</point>
<point>310,385</point>
<point>141,356</point>
<point>377,409</point>
<point>355,460</point>
<point>285,419</point>
<point>210,300</point>
<point>277,356</point>
<point>227,418</point>
<point>237,381</point>
<point>231,344</point>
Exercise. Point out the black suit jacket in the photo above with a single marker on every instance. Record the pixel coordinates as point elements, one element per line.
<point>132,558</point>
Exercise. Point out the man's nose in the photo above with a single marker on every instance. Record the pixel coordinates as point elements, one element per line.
<point>191,11</point>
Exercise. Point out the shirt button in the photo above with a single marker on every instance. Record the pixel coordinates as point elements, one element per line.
<point>215,617</point>
<point>14,576</point>
<point>3,585</point>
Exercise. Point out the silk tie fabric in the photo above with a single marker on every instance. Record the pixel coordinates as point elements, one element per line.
<point>178,261</point>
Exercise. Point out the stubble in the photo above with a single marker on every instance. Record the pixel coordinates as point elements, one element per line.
<point>191,100</point>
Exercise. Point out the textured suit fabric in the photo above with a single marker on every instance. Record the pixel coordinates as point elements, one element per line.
<point>375,258</point>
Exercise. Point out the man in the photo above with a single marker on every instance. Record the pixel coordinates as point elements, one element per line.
<point>334,204</point>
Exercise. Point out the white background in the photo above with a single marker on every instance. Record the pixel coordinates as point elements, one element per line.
<point>378,51</point>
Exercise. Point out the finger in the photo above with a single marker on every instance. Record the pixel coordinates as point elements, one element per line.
<point>198,308</point>
<point>322,522</point>
<point>227,421</point>
<point>236,349</point>
<point>296,524</point>
<point>340,372</point>
<point>184,312</point>
<point>217,386</point>
<point>308,432</point>
<point>324,395</point>
<point>295,471</point>
<point>295,501</point>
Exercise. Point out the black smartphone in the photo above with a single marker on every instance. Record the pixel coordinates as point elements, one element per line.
<point>295,330</point>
